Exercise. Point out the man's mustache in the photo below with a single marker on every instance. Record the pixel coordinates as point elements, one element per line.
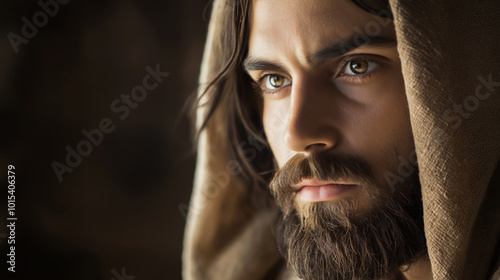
<point>322,167</point>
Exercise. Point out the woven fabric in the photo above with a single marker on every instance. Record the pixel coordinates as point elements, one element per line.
<point>448,50</point>
<point>449,55</point>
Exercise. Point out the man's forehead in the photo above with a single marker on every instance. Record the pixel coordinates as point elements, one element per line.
<point>279,16</point>
<point>279,9</point>
<point>279,27</point>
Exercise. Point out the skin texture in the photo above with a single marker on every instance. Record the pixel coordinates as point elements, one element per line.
<point>322,106</point>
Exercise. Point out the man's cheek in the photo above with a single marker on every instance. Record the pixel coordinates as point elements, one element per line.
<point>274,130</point>
<point>275,119</point>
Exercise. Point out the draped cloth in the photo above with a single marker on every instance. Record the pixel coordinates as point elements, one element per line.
<point>449,56</point>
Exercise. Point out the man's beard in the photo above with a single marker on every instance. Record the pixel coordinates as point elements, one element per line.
<point>341,239</point>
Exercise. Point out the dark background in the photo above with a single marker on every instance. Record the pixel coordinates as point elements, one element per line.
<point>123,206</point>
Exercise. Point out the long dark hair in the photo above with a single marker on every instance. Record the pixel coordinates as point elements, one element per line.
<point>230,94</point>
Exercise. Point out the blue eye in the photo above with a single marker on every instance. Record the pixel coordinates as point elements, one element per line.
<point>276,81</point>
<point>359,67</point>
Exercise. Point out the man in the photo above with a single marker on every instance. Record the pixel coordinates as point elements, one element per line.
<point>327,105</point>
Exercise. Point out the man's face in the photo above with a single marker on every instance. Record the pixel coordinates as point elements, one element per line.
<point>336,117</point>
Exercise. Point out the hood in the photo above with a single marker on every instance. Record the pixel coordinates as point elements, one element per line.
<point>449,56</point>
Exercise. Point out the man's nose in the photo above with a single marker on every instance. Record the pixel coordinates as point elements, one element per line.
<point>311,125</point>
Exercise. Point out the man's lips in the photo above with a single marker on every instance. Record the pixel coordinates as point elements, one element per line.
<point>311,190</point>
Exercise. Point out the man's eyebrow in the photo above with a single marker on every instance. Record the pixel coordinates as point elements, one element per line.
<point>347,45</point>
<point>338,49</point>
<point>253,64</point>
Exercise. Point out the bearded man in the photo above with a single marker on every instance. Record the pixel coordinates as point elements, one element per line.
<point>347,140</point>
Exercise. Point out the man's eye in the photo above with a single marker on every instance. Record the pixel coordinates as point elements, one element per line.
<point>359,67</point>
<point>276,81</point>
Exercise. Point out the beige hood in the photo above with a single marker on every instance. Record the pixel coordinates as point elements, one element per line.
<point>449,52</point>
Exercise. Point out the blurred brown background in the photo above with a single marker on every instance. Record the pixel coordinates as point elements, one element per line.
<point>121,206</point>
